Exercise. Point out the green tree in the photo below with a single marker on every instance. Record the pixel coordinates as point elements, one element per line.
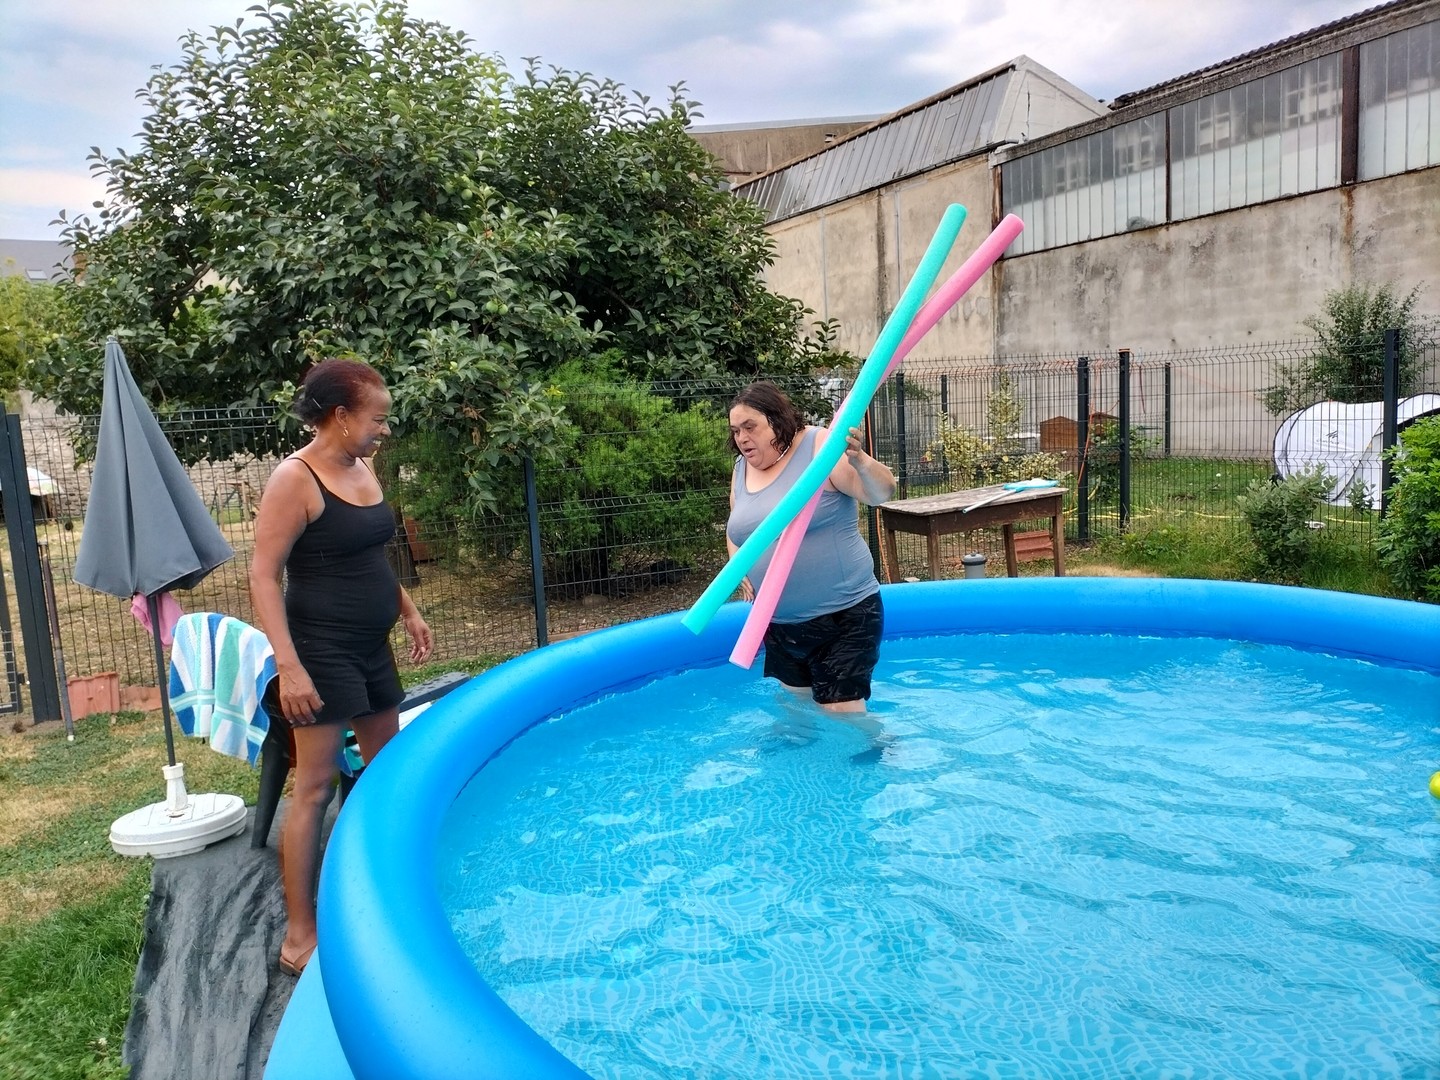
<point>1348,363</point>
<point>340,178</point>
<point>29,316</point>
<point>669,262</point>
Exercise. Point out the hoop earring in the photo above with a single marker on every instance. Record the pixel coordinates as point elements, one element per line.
<point>344,432</point>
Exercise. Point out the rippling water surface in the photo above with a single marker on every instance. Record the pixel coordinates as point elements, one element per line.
<point>1060,856</point>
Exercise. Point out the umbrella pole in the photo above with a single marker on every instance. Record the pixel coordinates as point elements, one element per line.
<point>161,673</point>
<point>177,799</point>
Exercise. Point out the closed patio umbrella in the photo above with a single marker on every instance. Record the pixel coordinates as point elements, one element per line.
<point>147,531</point>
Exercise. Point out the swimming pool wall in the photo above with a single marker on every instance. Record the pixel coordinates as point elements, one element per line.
<point>394,996</point>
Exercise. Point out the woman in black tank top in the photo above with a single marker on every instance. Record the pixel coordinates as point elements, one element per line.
<point>323,525</point>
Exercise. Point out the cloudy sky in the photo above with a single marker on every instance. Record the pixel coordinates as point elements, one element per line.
<point>69,69</point>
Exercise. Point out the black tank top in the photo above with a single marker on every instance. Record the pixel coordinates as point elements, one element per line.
<point>337,579</point>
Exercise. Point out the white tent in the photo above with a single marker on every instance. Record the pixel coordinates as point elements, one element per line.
<point>1344,440</point>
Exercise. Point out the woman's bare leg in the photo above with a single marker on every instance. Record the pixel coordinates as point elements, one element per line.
<point>317,747</point>
<point>374,731</point>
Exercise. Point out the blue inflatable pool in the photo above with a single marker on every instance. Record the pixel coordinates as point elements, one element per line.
<point>390,993</point>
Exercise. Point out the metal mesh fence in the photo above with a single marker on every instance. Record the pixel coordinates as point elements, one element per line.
<point>632,522</point>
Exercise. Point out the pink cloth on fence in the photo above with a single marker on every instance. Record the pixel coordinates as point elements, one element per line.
<point>169,609</point>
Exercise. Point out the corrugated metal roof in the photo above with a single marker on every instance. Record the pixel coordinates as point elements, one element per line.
<point>946,127</point>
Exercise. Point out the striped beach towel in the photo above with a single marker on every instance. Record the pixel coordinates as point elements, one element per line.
<point>220,667</point>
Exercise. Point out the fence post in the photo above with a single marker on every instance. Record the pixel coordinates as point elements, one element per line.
<point>944,420</point>
<point>1390,416</point>
<point>29,584</point>
<point>1082,439</point>
<point>1124,438</point>
<point>537,564</point>
<point>901,458</point>
<point>1168,410</point>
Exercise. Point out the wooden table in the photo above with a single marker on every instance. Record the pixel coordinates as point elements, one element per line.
<point>934,516</point>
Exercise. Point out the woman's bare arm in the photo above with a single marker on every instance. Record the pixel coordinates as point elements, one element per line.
<point>287,505</point>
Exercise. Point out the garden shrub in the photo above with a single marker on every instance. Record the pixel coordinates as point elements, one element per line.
<point>639,485</point>
<point>1408,537</point>
<point>630,491</point>
<point>1279,513</point>
<point>997,458</point>
<point>1102,456</point>
<point>1347,362</point>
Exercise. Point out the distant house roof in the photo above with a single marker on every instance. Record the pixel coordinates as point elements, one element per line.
<point>1009,103</point>
<point>37,260</point>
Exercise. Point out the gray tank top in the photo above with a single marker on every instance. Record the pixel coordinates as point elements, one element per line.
<point>833,569</point>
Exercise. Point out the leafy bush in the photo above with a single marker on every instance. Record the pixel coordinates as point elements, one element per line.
<point>630,492</point>
<point>1348,363</point>
<point>999,458</point>
<point>1279,513</point>
<point>1102,456</point>
<point>639,484</point>
<point>29,315</point>
<point>1408,538</point>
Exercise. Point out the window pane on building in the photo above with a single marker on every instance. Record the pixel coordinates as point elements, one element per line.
<point>1273,136</point>
<point>1400,102</point>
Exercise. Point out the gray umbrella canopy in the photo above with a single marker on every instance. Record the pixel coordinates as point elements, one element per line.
<point>146,528</point>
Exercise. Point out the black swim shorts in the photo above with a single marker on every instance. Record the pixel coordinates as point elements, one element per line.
<point>832,654</point>
<point>352,679</point>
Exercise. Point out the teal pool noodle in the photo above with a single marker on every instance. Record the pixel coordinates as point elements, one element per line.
<point>851,413</point>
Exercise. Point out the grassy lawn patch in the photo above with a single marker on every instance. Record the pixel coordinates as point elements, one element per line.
<point>72,912</point>
<point>65,981</point>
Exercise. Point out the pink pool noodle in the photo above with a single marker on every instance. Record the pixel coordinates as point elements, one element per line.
<point>956,286</point>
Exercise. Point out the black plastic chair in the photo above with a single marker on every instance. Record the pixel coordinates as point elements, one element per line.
<point>275,750</point>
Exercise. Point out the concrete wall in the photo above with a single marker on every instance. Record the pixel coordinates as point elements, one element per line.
<point>1227,282</point>
<point>1224,283</point>
<point>851,261</point>
<point>1252,274</point>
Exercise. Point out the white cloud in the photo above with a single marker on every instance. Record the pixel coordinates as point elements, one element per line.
<point>33,197</point>
<point>69,69</point>
<point>1120,47</point>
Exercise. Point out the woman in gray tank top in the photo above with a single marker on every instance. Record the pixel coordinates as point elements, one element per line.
<point>825,634</point>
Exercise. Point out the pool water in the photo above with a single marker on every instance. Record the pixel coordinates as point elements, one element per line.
<point>1063,855</point>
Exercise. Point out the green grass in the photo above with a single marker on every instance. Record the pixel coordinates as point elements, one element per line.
<point>65,985</point>
<point>72,912</point>
<point>1185,521</point>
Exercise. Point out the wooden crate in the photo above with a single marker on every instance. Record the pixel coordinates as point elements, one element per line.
<point>1030,546</point>
<point>1058,435</point>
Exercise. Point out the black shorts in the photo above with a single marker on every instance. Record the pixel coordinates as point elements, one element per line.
<point>832,654</point>
<point>352,678</point>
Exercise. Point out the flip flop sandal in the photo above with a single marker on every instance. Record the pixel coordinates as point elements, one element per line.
<point>296,966</point>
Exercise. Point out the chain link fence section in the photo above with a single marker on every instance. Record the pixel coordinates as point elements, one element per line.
<point>633,526</point>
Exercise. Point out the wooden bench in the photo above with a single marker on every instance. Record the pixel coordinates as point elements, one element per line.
<point>934,516</point>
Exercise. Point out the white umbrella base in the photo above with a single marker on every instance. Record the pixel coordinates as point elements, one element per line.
<point>154,830</point>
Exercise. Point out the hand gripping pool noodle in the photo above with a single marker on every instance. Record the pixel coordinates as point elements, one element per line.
<point>949,294</point>
<point>946,297</point>
<point>866,383</point>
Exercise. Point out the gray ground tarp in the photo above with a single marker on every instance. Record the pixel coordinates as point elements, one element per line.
<point>208,996</point>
